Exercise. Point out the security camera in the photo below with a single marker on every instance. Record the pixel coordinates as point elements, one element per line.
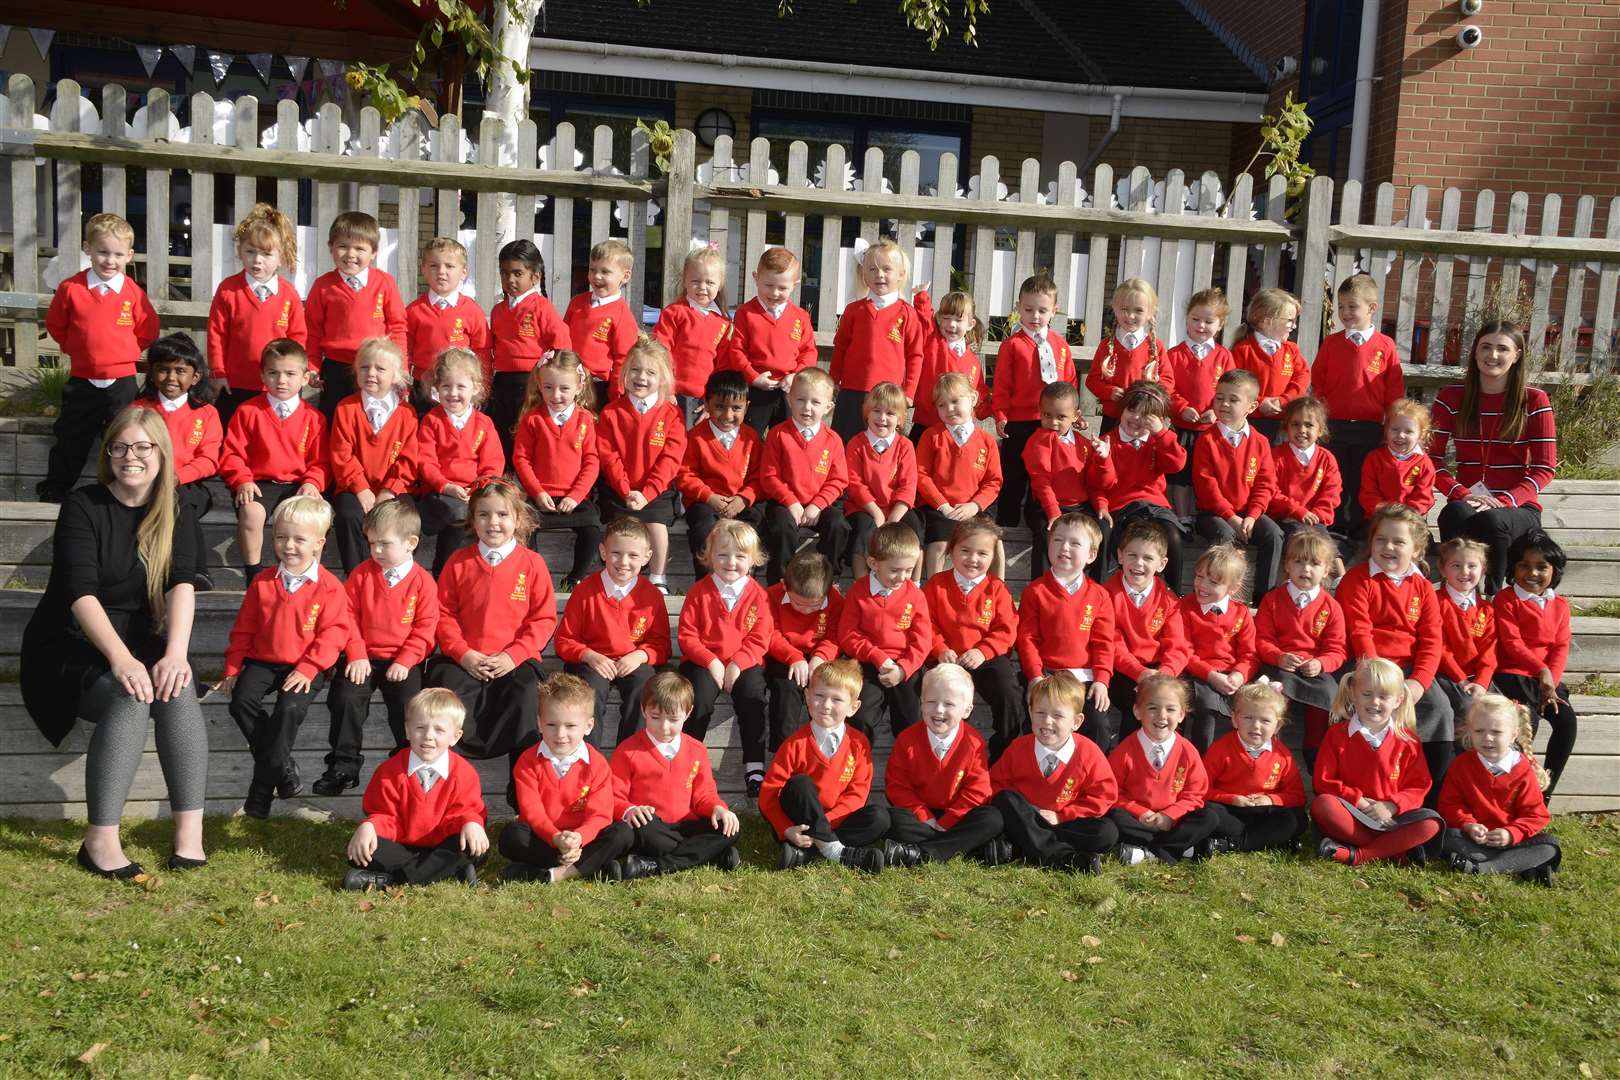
<point>1470,7</point>
<point>1285,67</point>
<point>1470,37</point>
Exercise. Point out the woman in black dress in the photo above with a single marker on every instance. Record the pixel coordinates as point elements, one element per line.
<point>108,640</point>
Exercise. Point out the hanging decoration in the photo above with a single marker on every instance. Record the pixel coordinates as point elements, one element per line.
<point>186,54</point>
<point>261,64</point>
<point>297,65</point>
<point>150,55</point>
<point>5,35</point>
<point>42,39</point>
<point>330,68</point>
<point>219,63</point>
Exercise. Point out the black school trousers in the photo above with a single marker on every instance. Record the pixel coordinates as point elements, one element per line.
<point>269,731</point>
<point>749,700</point>
<point>902,702</point>
<point>783,534</point>
<point>1062,845</point>
<point>350,702</point>
<point>520,844</point>
<point>629,687</point>
<point>1258,828</point>
<point>680,845</point>
<point>975,829</point>
<point>801,804</point>
<point>413,864</point>
<point>86,411</point>
<point>1189,832</point>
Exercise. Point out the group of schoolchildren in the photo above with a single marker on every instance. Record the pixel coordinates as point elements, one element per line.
<point>428,411</point>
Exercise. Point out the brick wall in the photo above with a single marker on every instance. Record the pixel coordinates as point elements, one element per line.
<point>1271,31</point>
<point>1193,146</point>
<point>1011,135</point>
<point>692,99</point>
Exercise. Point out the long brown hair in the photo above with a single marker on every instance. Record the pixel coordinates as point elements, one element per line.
<point>154,539</point>
<point>1513,411</point>
<point>560,360</point>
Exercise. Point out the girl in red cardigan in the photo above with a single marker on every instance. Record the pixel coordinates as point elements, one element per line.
<point>456,449</point>
<point>1220,638</point>
<point>253,308</point>
<point>724,633</point>
<point>1399,471</point>
<point>1496,815</point>
<point>1162,783</point>
<point>882,474</point>
<point>880,338</point>
<point>695,329</point>
<point>1195,365</point>
<point>953,338</point>
<point>373,444</point>
<point>177,391</point>
<point>1370,777</point>
<point>1272,357</point>
<point>556,459</point>
<point>1532,643</point>
<point>1255,790</point>
<point>643,439</point>
<point>1467,625</point>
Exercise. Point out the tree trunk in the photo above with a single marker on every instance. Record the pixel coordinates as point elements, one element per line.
<point>508,98</point>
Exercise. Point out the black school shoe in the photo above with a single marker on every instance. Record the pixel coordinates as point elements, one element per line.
<point>122,873</point>
<point>868,860</point>
<point>180,862</point>
<point>49,493</point>
<point>335,783</point>
<point>524,872</point>
<point>729,859</point>
<point>201,582</point>
<point>360,878</point>
<point>259,799</point>
<point>291,784</point>
<point>896,853</point>
<point>632,867</point>
<point>792,856</point>
<point>997,852</point>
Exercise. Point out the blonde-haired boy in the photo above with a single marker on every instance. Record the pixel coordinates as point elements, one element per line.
<point>599,320</point>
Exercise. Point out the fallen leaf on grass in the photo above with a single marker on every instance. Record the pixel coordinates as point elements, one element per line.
<point>1585,1070</point>
<point>1106,906</point>
<point>1245,939</point>
<point>1245,897</point>
<point>149,882</point>
<point>1478,897</point>
<point>1277,939</point>
<point>1068,976</point>
<point>1035,913</point>
<point>6,1036</point>
<point>1093,959</point>
<point>894,953</point>
<point>1090,941</point>
<point>941,935</point>
<point>367,905</point>
<point>294,925</point>
<point>266,899</point>
<point>280,1023</point>
<point>542,1023</point>
<point>90,1055</point>
<point>584,989</point>
<point>260,1047</point>
<point>734,1051</point>
<point>217,917</point>
<point>47,993</point>
<point>713,958</point>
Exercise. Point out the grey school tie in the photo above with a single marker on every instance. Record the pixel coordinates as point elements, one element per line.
<point>1049,766</point>
<point>1158,757</point>
<point>427,777</point>
<point>262,292</point>
<point>494,558</point>
<point>354,282</point>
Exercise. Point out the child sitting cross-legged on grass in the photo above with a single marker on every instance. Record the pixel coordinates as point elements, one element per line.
<point>424,806</point>
<point>1255,791</point>
<point>565,827</point>
<point>663,788</point>
<point>1496,815</point>
<point>1162,783</point>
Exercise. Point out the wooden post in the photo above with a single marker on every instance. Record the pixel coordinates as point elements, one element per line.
<point>1237,260</point>
<point>69,194</point>
<point>678,204</point>
<point>1444,268</point>
<point>944,231</point>
<point>906,228</point>
<point>367,198</point>
<point>160,128</point>
<point>753,246</point>
<point>1552,206</point>
<point>601,163</point>
<point>1276,207</point>
<point>246,188</point>
<point>832,239</point>
<point>24,221</point>
<point>1575,289</point>
<point>636,220</point>
<point>1313,262</point>
<point>1417,207</point>
<point>1484,217</point>
<point>410,211</point>
<point>793,228</point>
<point>1603,316</point>
<point>561,270</point>
<point>485,273</point>
<point>114,122</point>
<point>202,203</point>
<point>1102,190</point>
<point>1175,204</point>
<point>984,241</point>
<point>1068,187</point>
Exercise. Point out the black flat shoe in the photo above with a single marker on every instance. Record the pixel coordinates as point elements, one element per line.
<point>335,783</point>
<point>202,583</point>
<point>123,873</point>
<point>755,782</point>
<point>259,798</point>
<point>359,879</point>
<point>180,862</point>
<point>524,872</point>
<point>729,859</point>
<point>898,854</point>
<point>291,784</point>
<point>639,866</point>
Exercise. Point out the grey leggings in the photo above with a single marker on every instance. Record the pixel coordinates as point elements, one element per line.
<point>120,739</point>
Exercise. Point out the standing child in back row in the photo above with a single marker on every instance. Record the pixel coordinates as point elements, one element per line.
<point>600,323</point>
<point>1195,365</point>
<point>253,308</point>
<point>641,442</point>
<point>880,338</point>
<point>774,338</point>
<point>103,320</point>
<point>1133,353</point>
<point>353,301</point>
<point>1357,375</point>
<point>444,317</point>
<point>525,329</point>
<point>952,342</point>
<point>1273,359</point>
<point>695,328</point>
<point>1026,363</point>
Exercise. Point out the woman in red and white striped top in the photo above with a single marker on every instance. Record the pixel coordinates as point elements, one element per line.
<point>1505,443</point>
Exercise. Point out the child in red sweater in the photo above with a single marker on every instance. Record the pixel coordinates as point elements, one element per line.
<point>724,632</point>
<point>600,324</point>
<point>1143,451</point>
<point>1308,482</point>
<point>882,473</point>
<point>1054,788</point>
<point>395,608</point>
<point>802,475</point>
<point>1221,654</point>
<point>805,609</point>
<point>1066,622</point>
<point>565,826</point>
<point>456,450</point>
<point>1390,611</point>
<point>1399,471</point>
<point>719,475</point>
<point>641,442</point>
<point>177,390</point>
<point>1357,375</point>
<point>496,614</point>
<point>695,329</point>
<point>953,337</point>
<point>523,330</point>
<point>615,630</point>
<point>880,338</point>
<point>1467,625</point>
<point>1162,783</point>
<point>1370,779</point>
<point>1300,634</point>
<point>424,807</point>
<point>1147,620</point>
<point>1255,790</point>
<point>1234,478</point>
<point>1026,363</point>
<point>556,457</point>
<point>352,302</point>
<point>252,309</point>
<point>815,795</point>
<point>373,444</point>
<point>293,622</point>
<point>274,448</point>
<point>1195,365</point>
<point>102,320</point>
<point>975,625</point>
<point>1269,355</point>
<point>958,470</point>
<point>937,781</point>
<point>1067,470</point>
<point>1495,813</point>
<point>663,788</point>
<point>1132,353</point>
<point>442,318</point>
<point>774,338</point>
<point>1532,643</point>
<point>885,626</point>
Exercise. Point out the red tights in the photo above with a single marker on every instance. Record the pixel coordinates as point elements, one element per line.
<point>1333,819</point>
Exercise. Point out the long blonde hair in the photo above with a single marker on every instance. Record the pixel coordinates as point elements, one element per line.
<point>1387,678</point>
<point>154,539</point>
<point>1524,734</point>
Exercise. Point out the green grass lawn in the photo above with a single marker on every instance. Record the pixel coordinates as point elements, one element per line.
<point>1244,966</point>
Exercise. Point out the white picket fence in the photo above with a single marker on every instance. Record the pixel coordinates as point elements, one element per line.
<point>1182,233</point>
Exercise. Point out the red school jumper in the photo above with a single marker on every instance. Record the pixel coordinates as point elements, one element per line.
<point>1468,638</point>
<point>885,479</point>
<point>1065,472</point>
<point>1314,632</point>
<point>340,317</point>
<point>796,636</point>
<point>765,345</point>
<point>1384,479</point>
<point>1358,382</point>
<point>873,346</point>
<point>708,632</point>
<point>521,335</point>
<point>843,782</point>
<point>951,474</point>
<point>1233,481</point>
<point>708,468</point>
<point>1313,487</point>
<point>603,335</point>
<point>678,790</point>
<point>699,341</point>
<point>240,325</point>
<point>945,789</point>
<point>1150,635</point>
<point>1530,637</point>
<point>1059,629</point>
<point>1234,773</point>
<point>395,624</point>
<point>401,811</point>
<point>580,801</point>
<point>1177,789</point>
<point>259,445</point>
<point>1016,392</point>
<point>1471,795</point>
<point>1084,786</point>
<point>509,608</point>
<point>641,451</point>
<point>1218,640</point>
<point>1400,623</point>
<point>561,461</point>
<point>306,629</point>
<point>446,456</point>
<point>1140,471</point>
<point>1348,767</point>
<point>430,329</point>
<point>896,627</point>
<point>1115,368</point>
<point>196,435</point>
<point>594,621</point>
<point>1192,381</point>
<point>103,335</point>
<point>367,460</point>
<point>939,359</point>
<point>812,473</point>
<point>983,619</point>
<point>1284,375</point>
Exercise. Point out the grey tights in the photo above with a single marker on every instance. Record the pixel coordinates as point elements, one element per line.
<point>119,741</point>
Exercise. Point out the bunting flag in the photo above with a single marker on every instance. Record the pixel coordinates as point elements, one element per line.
<point>150,55</point>
<point>261,64</point>
<point>186,54</point>
<point>297,65</point>
<point>219,63</point>
<point>330,68</point>
<point>42,40</point>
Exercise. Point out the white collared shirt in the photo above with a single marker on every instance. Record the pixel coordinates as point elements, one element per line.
<point>1201,349</point>
<point>284,409</point>
<point>614,590</point>
<point>271,285</point>
<point>807,434</point>
<point>1358,338</point>
<point>727,439</point>
<point>1267,345</point>
<point>1133,339</point>
<point>293,580</point>
<point>668,749</point>
<point>1373,570</point>
<point>393,575</point>
<point>561,418</point>
<point>356,281</point>
<point>958,348</point>
<point>967,585</point>
<point>1540,601</point>
<point>880,445</point>
<point>445,300</point>
<point>1070,587</point>
<point>1406,456</point>
<point>172,404</point>
<point>1218,607</point>
<point>711,308</point>
<point>773,312</point>
<point>828,739</point>
<point>1303,599</point>
<point>643,405</point>
<point>941,747</point>
<point>114,284</point>
<point>1233,436</point>
<point>878,588</point>
<point>1305,456</point>
<point>1136,443</point>
<point>378,410</point>
<point>1043,350</point>
<point>561,765</point>
<point>603,301</point>
<point>1462,600</point>
<point>1375,739</point>
<point>1061,755</point>
<point>1067,438</point>
<point>438,768</point>
<point>504,551</point>
<point>1509,762</point>
<point>1149,747</point>
<point>883,300</point>
<point>459,420</point>
<point>730,594</point>
<point>961,433</point>
<point>1254,752</point>
<point>514,301</point>
<point>1137,598</point>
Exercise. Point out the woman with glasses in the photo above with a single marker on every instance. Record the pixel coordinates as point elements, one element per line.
<point>107,642</point>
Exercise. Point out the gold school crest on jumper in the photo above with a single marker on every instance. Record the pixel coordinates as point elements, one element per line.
<point>1274,779</point>
<point>1109,364</point>
<point>458,332</point>
<point>1375,366</point>
<point>640,628</point>
<point>987,612</point>
<point>526,325</point>
<point>894,331</point>
<point>1481,621</point>
<point>1414,609</point>
<point>1320,623</point>
<point>1087,619</point>
<point>393,451</point>
<point>691,777</point>
<point>1156,623</point>
<point>798,330</point>
<point>1252,469</point>
<point>410,610</point>
<point>579,803</point>
<point>126,314</point>
<point>286,315</point>
<point>1180,781</point>
<point>377,312</point>
<point>904,622</point>
<point>312,618</point>
<point>1067,793</point>
<point>824,463</point>
<point>196,432</point>
<point>849,770</point>
<point>520,588</point>
<point>603,329</point>
<point>750,617</point>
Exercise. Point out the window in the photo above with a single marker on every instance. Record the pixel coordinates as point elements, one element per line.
<point>1328,81</point>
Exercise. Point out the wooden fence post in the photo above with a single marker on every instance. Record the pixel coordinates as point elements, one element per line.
<point>678,204</point>
<point>1313,262</point>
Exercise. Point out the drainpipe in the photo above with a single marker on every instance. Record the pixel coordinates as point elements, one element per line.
<point>1108,137</point>
<point>1361,118</point>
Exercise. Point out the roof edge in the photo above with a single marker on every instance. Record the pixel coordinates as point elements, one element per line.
<point>1246,56</point>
